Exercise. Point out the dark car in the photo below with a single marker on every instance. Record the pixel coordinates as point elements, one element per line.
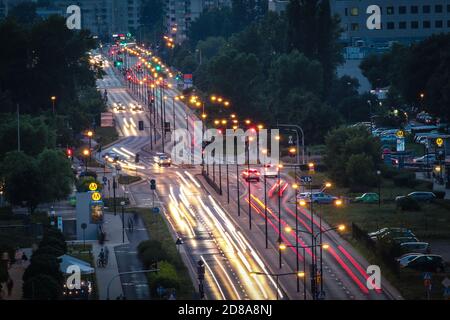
<point>427,262</point>
<point>420,196</point>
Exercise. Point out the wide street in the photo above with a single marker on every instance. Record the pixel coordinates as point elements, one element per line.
<point>212,231</point>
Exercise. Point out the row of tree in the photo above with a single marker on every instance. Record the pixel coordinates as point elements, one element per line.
<point>281,68</point>
<point>417,75</point>
<point>43,280</point>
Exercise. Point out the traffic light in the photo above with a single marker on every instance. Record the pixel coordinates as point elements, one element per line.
<point>137,158</point>
<point>153,184</point>
<point>158,68</point>
<point>69,153</point>
<point>440,154</point>
<point>292,152</point>
<point>141,125</point>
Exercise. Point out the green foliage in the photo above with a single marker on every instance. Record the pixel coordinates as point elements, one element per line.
<point>360,172</point>
<point>151,251</point>
<point>22,180</point>
<point>42,287</point>
<point>166,277</point>
<point>345,143</point>
<point>408,204</point>
<point>30,181</point>
<point>423,67</point>
<point>83,184</point>
<point>405,179</point>
<point>57,174</point>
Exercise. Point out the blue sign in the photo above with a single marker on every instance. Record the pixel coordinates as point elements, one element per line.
<point>60,224</point>
<point>306,179</point>
<point>155,210</point>
<point>105,179</point>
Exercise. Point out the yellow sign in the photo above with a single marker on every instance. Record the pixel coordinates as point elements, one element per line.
<point>96,196</point>
<point>439,142</point>
<point>400,134</point>
<point>93,186</point>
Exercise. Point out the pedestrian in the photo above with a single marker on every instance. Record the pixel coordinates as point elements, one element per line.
<point>9,286</point>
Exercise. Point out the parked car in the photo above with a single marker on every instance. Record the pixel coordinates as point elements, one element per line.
<point>317,197</point>
<point>400,240</point>
<point>368,198</point>
<point>162,160</point>
<point>403,260</point>
<point>391,232</point>
<point>419,247</point>
<point>426,159</point>
<point>425,262</point>
<point>251,175</point>
<point>420,196</point>
<point>270,170</point>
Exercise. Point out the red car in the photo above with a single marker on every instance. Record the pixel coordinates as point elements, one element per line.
<point>251,174</point>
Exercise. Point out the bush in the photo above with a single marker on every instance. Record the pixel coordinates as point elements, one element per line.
<point>440,194</point>
<point>405,179</point>
<point>360,172</point>
<point>388,172</point>
<point>166,277</point>
<point>42,287</point>
<point>408,204</point>
<point>151,251</point>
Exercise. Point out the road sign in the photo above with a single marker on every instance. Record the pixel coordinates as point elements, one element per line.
<point>105,179</point>
<point>306,179</point>
<point>155,210</point>
<point>400,134</point>
<point>60,224</point>
<point>400,144</point>
<point>427,276</point>
<point>96,196</point>
<point>439,142</point>
<point>93,186</point>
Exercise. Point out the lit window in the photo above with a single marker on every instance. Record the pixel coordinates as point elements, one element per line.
<point>354,12</point>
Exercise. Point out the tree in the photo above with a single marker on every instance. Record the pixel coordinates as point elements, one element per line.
<point>42,287</point>
<point>150,252</point>
<point>56,173</point>
<point>24,13</point>
<point>23,183</point>
<point>342,144</point>
<point>360,171</point>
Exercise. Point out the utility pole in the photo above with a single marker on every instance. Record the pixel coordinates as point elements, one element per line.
<point>18,128</point>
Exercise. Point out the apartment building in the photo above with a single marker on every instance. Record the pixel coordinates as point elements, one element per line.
<point>180,13</point>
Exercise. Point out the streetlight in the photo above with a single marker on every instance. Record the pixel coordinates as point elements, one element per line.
<point>300,274</point>
<point>53,99</point>
<point>86,154</point>
<point>379,188</point>
<point>314,256</point>
<point>90,134</point>
<point>122,203</point>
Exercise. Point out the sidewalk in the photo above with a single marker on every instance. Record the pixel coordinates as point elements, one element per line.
<point>113,229</point>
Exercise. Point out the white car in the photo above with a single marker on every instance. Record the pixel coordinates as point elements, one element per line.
<point>270,171</point>
<point>162,160</point>
<point>136,107</point>
<point>118,106</point>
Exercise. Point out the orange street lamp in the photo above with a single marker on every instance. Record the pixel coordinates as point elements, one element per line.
<point>53,99</point>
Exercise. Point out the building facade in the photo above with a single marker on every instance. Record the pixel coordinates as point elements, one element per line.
<point>180,13</point>
<point>401,20</point>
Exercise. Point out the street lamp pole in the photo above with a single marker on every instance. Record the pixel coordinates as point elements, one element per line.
<point>122,203</point>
